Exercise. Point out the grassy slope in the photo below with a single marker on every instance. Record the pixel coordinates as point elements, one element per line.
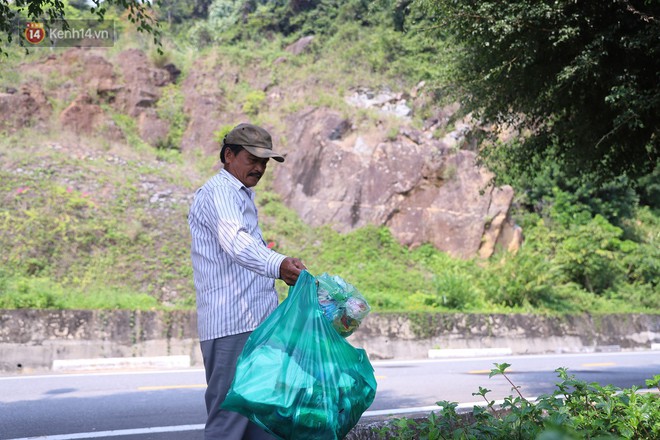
<point>82,217</point>
<point>82,231</point>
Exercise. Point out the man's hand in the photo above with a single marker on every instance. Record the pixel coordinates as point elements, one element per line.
<point>290,270</point>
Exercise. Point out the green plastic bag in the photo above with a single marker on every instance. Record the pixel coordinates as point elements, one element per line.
<point>297,377</point>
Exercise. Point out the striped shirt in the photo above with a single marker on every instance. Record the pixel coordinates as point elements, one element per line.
<point>233,270</point>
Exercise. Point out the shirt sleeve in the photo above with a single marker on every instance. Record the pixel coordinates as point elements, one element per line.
<point>227,220</point>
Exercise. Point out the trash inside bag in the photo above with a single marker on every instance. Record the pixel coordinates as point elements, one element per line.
<point>297,377</point>
<point>341,303</point>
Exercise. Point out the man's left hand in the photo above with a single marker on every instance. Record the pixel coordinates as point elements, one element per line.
<point>290,270</point>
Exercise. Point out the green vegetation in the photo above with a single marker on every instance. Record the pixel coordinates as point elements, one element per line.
<point>580,268</point>
<point>89,222</point>
<point>170,109</point>
<point>578,79</point>
<point>80,229</point>
<point>576,409</point>
<point>43,293</point>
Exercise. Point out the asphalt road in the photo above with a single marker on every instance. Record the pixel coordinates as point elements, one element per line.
<point>168,405</point>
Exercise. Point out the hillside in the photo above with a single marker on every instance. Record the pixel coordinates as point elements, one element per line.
<point>104,148</point>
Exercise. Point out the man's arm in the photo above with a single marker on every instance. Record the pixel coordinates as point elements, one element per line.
<point>245,249</point>
<point>226,219</point>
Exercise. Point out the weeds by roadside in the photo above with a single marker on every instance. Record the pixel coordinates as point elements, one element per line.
<point>575,410</point>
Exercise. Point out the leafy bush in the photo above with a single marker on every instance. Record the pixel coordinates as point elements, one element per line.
<point>253,102</point>
<point>649,188</point>
<point>29,293</point>
<point>552,192</point>
<point>524,281</point>
<point>574,410</point>
<point>170,109</point>
<point>591,254</point>
<point>644,264</point>
<point>455,290</point>
<point>128,126</point>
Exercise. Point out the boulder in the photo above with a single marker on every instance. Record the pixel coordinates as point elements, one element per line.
<point>99,74</point>
<point>82,115</point>
<point>141,82</point>
<point>383,101</point>
<point>300,46</point>
<point>204,104</point>
<point>151,128</point>
<point>27,106</point>
<point>79,69</point>
<point>174,72</point>
<point>498,222</point>
<point>423,190</point>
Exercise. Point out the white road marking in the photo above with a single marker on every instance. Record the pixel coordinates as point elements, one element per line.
<point>160,429</point>
<point>387,363</point>
<point>107,373</point>
<point>419,409</point>
<point>116,433</point>
<point>180,428</point>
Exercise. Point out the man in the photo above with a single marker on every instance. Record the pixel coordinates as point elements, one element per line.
<point>234,271</point>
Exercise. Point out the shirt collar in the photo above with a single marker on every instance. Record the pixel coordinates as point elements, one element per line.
<point>234,182</point>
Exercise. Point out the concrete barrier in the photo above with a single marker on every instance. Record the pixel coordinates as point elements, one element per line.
<point>34,340</point>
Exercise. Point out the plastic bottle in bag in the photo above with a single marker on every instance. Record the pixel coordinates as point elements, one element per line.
<point>341,303</point>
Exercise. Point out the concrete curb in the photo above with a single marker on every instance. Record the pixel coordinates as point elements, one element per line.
<point>183,361</point>
<point>468,352</point>
<point>119,363</point>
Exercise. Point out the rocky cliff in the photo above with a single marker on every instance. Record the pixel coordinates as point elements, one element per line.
<point>425,188</point>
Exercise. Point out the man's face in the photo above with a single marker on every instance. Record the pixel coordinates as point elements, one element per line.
<point>245,166</point>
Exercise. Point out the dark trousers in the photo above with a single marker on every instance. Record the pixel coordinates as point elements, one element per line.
<point>220,356</point>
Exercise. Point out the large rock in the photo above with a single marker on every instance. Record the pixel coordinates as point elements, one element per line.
<point>77,70</point>
<point>151,128</point>
<point>25,107</point>
<point>82,115</point>
<point>87,80</point>
<point>204,104</point>
<point>423,190</point>
<point>384,101</point>
<point>96,74</point>
<point>300,45</point>
<point>141,82</point>
<point>499,228</point>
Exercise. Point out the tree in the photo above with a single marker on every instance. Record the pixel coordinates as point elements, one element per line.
<point>580,80</point>
<point>49,11</point>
